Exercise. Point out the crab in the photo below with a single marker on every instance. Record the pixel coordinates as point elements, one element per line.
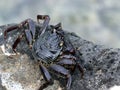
<point>50,47</point>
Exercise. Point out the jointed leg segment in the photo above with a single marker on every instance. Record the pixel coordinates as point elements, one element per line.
<point>47,77</point>
<point>29,33</point>
<point>61,70</point>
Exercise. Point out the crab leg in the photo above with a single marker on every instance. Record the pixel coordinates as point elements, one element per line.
<point>30,33</point>
<point>16,42</point>
<point>47,77</point>
<point>71,60</point>
<point>28,37</point>
<point>46,19</point>
<point>10,29</point>
<point>66,62</point>
<point>69,56</point>
<point>30,23</point>
<point>31,27</point>
<point>61,70</point>
<point>80,69</point>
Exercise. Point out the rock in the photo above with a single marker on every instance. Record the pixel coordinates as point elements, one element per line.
<point>101,67</point>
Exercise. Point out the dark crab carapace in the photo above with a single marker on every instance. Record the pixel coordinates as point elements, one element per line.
<point>50,47</point>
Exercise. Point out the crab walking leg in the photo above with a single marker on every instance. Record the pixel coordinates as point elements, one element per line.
<point>66,61</point>
<point>47,77</point>
<point>69,56</point>
<point>30,32</point>
<point>69,63</point>
<point>31,27</point>
<point>71,60</point>
<point>16,42</point>
<point>14,27</point>
<point>46,19</point>
<point>61,70</point>
<point>28,37</point>
<point>80,69</point>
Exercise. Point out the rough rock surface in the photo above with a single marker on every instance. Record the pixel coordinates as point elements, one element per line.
<point>101,66</point>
